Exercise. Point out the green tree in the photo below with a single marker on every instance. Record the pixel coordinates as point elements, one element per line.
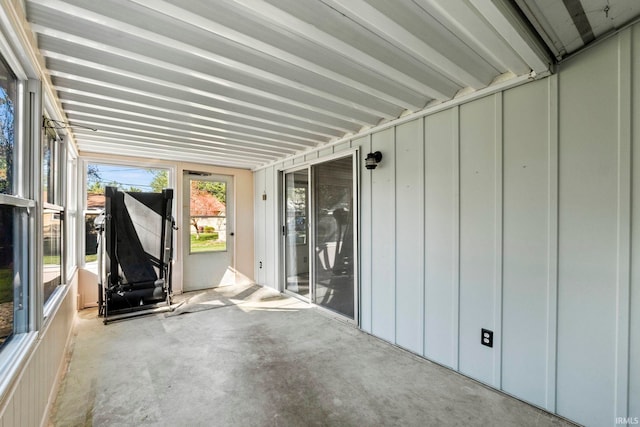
<point>95,188</point>
<point>160,179</point>
<point>218,189</point>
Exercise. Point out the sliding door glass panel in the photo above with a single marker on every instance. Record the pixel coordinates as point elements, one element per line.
<point>334,251</point>
<point>296,232</point>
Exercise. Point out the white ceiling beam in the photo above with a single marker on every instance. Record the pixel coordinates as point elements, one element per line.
<point>128,143</point>
<point>161,154</point>
<point>474,31</point>
<point>270,144</point>
<point>168,42</point>
<point>188,115</point>
<point>256,44</point>
<point>196,139</point>
<point>98,71</point>
<point>311,33</point>
<point>149,66</point>
<point>385,27</point>
<point>510,27</point>
<point>125,91</point>
<point>124,140</point>
<point>30,63</point>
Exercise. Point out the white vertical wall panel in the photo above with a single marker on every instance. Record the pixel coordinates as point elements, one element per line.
<point>259,188</point>
<point>383,239</point>
<point>477,236</point>
<point>588,221</point>
<point>272,228</point>
<point>634,324</point>
<point>526,243</point>
<point>409,224</point>
<point>441,237</point>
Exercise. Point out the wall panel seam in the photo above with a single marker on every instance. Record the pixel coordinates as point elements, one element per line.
<point>423,323</point>
<point>370,252</point>
<point>456,239</point>
<point>395,238</point>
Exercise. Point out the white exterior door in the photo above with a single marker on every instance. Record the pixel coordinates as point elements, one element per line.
<point>207,231</point>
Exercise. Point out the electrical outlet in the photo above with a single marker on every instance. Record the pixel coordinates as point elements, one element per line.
<point>260,264</point>
<point>486,338</point>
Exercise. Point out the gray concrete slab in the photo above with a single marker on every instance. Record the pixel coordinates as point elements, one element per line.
<point>246,356</point>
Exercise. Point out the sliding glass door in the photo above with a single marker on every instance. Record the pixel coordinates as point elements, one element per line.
<point>334,280</point>
<point>319,240</point>
<point>296,246</point>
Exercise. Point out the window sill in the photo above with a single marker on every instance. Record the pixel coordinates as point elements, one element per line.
<point>54,301</point>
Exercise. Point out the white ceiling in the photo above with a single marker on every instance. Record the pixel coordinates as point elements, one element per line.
<point>243,83</point>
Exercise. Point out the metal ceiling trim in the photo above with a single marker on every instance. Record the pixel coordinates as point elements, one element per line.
<point>600,39</point>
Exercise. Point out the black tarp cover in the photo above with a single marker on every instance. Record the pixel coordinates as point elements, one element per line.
<point>137,247</point>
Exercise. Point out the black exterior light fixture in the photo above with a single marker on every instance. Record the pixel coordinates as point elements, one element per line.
<point>372,160</point>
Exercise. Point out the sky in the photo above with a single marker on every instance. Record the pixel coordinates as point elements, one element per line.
<point>127,176</point>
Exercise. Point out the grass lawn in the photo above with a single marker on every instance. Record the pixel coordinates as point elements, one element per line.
<point>6,285</point>
<point>90,258</point>
<point>51,259</point>
<point>207,242</point>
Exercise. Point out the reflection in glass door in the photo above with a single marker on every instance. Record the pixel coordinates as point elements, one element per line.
<point>334,280</point>
<point>296,187</point>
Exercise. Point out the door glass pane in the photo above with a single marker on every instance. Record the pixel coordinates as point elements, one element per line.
<point>297,241</point>
<point>334,252</point>
<point>208,216</point>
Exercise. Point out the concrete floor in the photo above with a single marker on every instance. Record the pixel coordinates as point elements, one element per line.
<point>246,356</point>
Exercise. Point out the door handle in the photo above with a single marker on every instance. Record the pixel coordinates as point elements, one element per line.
<point>232,234</point>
